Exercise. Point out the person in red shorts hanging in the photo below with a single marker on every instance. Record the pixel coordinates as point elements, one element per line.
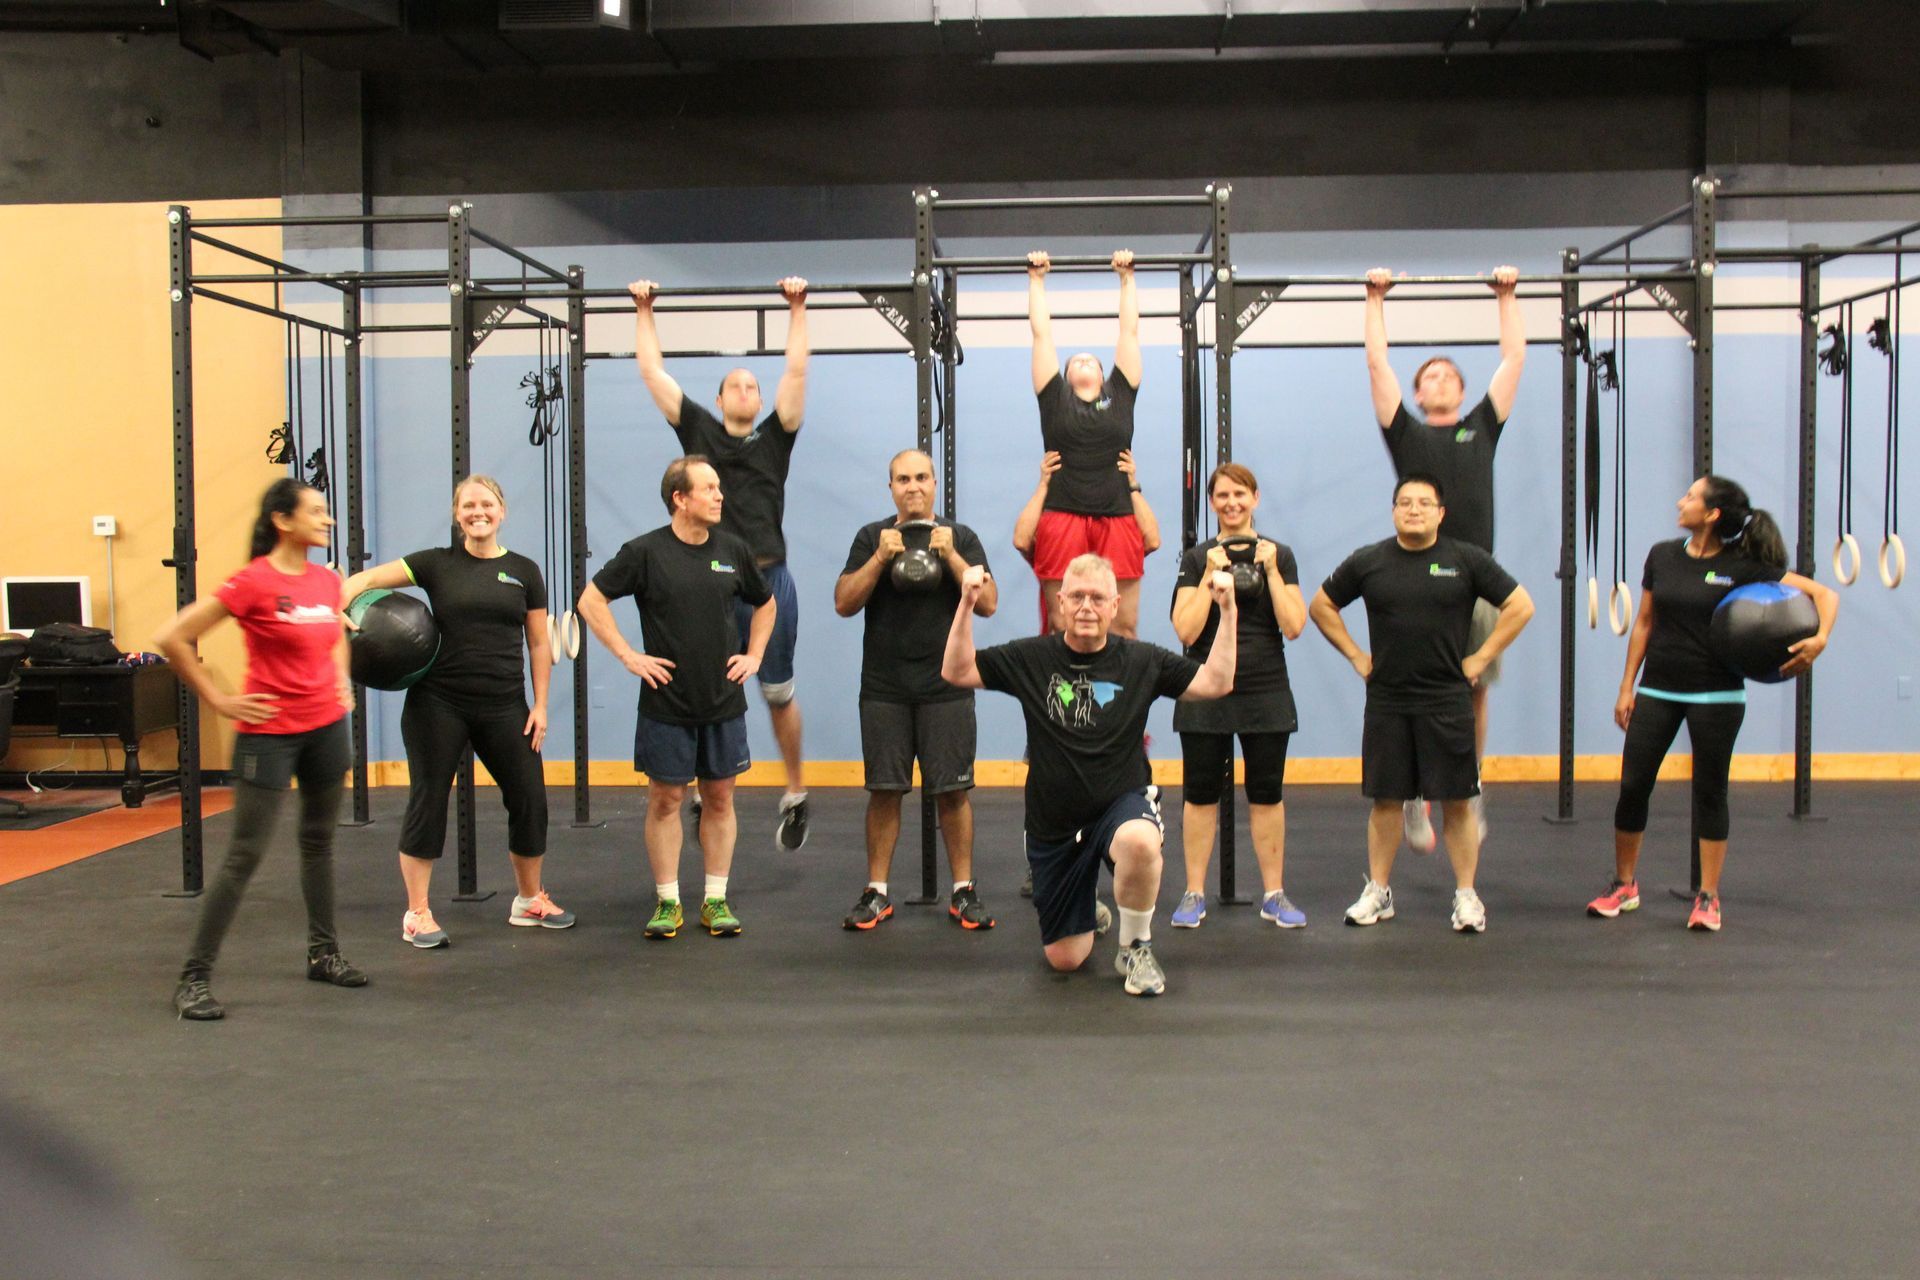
<point>1086,416</point>
<point>1027,524</point>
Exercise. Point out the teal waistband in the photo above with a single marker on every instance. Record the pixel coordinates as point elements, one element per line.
<point>1711,696</point>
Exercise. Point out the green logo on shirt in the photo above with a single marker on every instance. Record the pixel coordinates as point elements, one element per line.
<point>1435,571</point>
<point>1463,435</point>
<point>510,580</point>
<point>1719,579</point>
<point>719,566</point>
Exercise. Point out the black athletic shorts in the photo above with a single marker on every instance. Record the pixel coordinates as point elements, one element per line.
<point>1066,875</point>
<point>274,760</point>
<point>1427,754</point>
<point>941,735</point>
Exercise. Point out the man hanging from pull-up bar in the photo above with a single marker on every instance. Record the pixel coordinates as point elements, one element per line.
<point>752,458</point>
<point>1458,451</point>
<point>1086,416</point>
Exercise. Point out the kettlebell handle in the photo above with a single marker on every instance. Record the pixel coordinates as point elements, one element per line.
<point>917,524</point>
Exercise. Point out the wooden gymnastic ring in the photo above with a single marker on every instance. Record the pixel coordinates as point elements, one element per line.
<point>1620,608</point>
<point>1894,577</point>
<point>553,637</point>
<point>1593,604</point>
<point>570,631</point>
<point>1847,545</point>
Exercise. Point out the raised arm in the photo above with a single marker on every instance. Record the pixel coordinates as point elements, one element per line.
<point>1215,679</point>
<point>646,353</point>
<point>790,397</point>
<point>941,545</point>
<point>1027,524</point>
<point>1046,361</point>
<point>957,666</point>
<point>1142,509</point>
<point>1326,616</point>
<point>1513,343</point>
<point>1380,376</point>
<point>1126,348</point>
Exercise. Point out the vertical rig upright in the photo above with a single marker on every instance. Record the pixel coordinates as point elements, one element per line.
<point>460,354</point>
<point>1702,245</point>
<point>1803,543</point>
<point>577,537</point>
<point>925,281</point>
<point>1569,496</point>
<point>1226,332</point>
<point>185,558</point>
<point>356,525</point>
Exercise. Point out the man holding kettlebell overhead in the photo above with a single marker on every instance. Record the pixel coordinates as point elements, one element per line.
<point>905,572</point>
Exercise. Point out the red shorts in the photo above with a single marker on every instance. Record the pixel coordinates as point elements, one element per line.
<point>1062,535</point>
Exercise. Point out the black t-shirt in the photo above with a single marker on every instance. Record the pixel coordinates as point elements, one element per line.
<point>1460,457</point>
<point>1086,714</point>
<point>685,593</point>
<point>753,474</point>
<point>482,608</point>
<point>1686,590</point>
<point>906,636</point>
<point>1262,697</point>
<point>1089,436</point>
<point>1419,609</point>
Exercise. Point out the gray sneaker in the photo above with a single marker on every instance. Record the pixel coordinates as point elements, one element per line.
<point>1102,919</point>
<point>1143,973</point>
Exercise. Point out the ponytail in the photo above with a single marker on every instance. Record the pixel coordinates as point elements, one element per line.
<point>282,498</point>
<point>1743,525</point>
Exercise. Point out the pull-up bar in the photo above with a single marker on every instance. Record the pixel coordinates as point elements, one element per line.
<point>339,279</point>
<point>1561,277</point>
<point>532,292</point>
<point>328,220</point>
<point>1074,202</point>
<point>1876,291</point>
<point>1844,193</point>
<point>1074,261</point>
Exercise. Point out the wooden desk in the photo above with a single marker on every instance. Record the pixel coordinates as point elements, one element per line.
<point>103,702</point>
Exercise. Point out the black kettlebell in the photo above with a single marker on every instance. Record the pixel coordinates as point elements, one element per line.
<point>1248,580</point>
<point>917,569</point>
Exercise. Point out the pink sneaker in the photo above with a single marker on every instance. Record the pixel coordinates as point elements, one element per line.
<point>420,929</point>
<point>1618,897</point>
<point>1706,912</point>
<point>539,910</point>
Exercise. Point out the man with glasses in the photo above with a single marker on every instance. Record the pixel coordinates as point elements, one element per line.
<point>1090,798</point>
<point>1458,449</point>
<point>1417,740</point>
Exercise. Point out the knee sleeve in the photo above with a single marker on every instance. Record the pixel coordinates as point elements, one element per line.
<point>778,695</point>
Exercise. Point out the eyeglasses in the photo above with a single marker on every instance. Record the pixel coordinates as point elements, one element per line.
<point>1087,599</point>
<point>1407,504</point>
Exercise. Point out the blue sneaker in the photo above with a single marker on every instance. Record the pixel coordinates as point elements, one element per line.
<point>1191,911</point>
<point>1275,909</point>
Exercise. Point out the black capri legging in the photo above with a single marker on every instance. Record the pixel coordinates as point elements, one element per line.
<point>436,732</point>
<point>1712,726</point>
<point>1207,756</point>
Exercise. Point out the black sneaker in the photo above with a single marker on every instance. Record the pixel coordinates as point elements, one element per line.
<point>1026,885</point>
<point>332,967</point>
<point>792,831</point>
<point>873,907</point>
<point>966,911</point>
<point>194,1002</point>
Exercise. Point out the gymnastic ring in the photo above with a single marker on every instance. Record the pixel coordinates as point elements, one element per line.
<point>570,631</point>
<point>1892,578</point>
<point>1593,604</point>
<point>1620,608</point>
<point>553,635</point>
<point>1846,545</point>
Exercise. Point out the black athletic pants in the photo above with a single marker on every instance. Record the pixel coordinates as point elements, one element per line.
<point>437,732</point>
<point>1712,726</point>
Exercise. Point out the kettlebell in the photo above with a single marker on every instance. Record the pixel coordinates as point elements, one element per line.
<point>1248,580</point>
<point>917,569</point>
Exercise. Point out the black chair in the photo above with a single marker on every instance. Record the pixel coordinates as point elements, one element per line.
<point>12,650</point>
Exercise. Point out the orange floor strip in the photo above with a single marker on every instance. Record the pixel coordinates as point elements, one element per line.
<point>28,853</point>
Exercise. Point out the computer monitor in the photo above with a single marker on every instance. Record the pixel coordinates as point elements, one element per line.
<point>26,603</point>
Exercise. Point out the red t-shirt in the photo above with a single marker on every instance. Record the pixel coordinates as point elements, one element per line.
<point>292,623</point>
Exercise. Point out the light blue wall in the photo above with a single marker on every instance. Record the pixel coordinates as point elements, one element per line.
<point>1302,421</point>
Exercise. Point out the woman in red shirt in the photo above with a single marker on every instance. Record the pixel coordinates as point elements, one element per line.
<point>291,721</point>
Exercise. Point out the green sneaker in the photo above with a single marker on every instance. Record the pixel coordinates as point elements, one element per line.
<point>667,919</point>
<point>717,918</point>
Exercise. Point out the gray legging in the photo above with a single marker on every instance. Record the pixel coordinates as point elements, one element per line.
<point>318,758</point>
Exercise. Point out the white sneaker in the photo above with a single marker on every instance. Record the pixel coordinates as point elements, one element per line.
<point>1375,905</point>
<point>1142,972</point>
<point>1418,821</point>
<point>1469,913</point>
<point>420,929</point>
<point>1479,806</point>
<point>1102,919</point>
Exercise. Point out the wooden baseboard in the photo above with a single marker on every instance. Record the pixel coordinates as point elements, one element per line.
<point>1827,767</point>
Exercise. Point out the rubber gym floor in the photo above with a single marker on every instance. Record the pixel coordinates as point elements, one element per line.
<point>1559,1097</point>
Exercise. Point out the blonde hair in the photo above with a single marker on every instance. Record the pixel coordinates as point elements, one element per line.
<point>1091,565</point>
<point>485,482</point>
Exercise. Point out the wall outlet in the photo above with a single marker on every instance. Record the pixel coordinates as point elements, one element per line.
<point>104,526</point>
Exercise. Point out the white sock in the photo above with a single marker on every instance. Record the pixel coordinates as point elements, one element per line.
<point>716,886</point>
<point>668,890</point>
<point>1135,926</point>
<point>791,799</point>
<point>878,886</point>
<point>958,885</point>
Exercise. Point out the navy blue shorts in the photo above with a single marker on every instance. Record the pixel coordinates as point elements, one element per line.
<point>776,665</point>
<point>1066,875</point>
<point>678,753</point>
